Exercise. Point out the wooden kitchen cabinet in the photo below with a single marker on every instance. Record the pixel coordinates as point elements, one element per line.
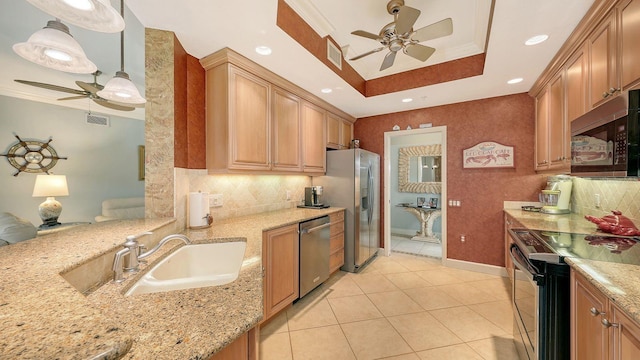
<point>243,348</point>
<point>553,133</point>
<point>542,130</point>
<point>599,329</point>
<point>313,138</point>
<point>336,247</point>
<point>285,146</point>
<point>603,81</point>
<point>629,39</point>
<point>576,85</point>
<point>280,259</point>
<point>338,132</point>
<point>238,120</point>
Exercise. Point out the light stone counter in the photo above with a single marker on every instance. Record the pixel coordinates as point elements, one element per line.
<point>619,282</point>
<point>43,316</point>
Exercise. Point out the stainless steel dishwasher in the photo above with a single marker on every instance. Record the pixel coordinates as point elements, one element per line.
<point>314,253</point>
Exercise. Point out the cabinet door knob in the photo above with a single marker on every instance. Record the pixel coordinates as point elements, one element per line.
<point>608,324</point>
<point>605,95</point>
<point>594,311</point>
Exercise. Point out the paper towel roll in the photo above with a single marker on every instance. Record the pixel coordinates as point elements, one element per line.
<point>199,210</point>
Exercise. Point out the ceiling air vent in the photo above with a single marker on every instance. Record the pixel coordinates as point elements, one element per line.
<point>97,119</point>
<point>334,55</point>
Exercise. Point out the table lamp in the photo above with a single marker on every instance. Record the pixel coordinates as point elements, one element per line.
<point>50,209</point>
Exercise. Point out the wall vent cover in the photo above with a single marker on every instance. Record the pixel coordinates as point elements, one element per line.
<point>97,119</point>
<point>334,55</point>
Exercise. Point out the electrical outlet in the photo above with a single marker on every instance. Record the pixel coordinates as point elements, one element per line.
<point>215,200</point>
<point>463,238</point>
<point>288,195</point>
<point>596,200</point>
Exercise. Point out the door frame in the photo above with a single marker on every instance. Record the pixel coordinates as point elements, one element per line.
<point>388,136</point>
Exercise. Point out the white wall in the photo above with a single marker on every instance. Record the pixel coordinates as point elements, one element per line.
<point>403,222</point>
<point>102,161</point>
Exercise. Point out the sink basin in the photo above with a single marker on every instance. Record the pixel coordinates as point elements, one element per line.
<point>193,266</point>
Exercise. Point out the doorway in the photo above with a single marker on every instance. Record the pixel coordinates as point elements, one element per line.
<point>415,178</point>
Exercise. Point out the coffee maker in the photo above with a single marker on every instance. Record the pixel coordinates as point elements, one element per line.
<point>313,196</point>
<point>556,196</point>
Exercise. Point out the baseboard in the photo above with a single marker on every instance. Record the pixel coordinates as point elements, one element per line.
<point>477,267</point>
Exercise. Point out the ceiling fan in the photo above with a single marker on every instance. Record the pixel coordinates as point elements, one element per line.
<point>89,90</point>
<point>399,34</point>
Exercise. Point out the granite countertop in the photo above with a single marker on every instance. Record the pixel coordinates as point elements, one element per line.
<point>43,316</point>
<point>619,282</point>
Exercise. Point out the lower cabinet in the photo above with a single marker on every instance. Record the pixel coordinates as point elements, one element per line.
<point>336,249</point>
<point>280,259</point>
<point>244,347</point>
<point>599,329</point>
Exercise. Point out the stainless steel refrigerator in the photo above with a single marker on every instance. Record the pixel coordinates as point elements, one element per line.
<point>352,181</point>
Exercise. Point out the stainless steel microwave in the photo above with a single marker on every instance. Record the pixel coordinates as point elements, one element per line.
<point>605,141</point>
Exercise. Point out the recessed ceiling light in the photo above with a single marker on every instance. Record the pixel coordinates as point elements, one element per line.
<point>514,81</point>
<point>535,40</point>
<point>263,50</point>
<point>326,90</point>
<point>407,100</point>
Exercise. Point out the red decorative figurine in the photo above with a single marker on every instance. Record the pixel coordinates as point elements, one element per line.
<point>616,224</point>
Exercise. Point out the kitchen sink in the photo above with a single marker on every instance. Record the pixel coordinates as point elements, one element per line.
<point>193,266</point>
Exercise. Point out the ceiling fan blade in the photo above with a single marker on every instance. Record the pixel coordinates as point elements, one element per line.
<point>434,31</point>
<point>367,53</point>
<point>74,97</point>
<point>388,60</point>
<point>419,52</point>
<point>92,88</point>
<point>407,16</point>
<point>105,103</point>
<point>366,34</point>
<point>51,87</point>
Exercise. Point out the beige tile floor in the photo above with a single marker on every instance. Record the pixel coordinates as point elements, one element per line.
<point>402,307</point>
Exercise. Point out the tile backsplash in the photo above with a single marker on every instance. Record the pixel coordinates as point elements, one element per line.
<point>249,194</point>
<point>615,194</point>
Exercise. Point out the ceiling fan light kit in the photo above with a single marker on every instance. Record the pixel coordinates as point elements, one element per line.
<point>399,35</point>
<point>121,89</point>
<point>95,15</point>
<point>55,48</point>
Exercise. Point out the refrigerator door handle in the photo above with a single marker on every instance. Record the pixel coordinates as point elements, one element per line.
<point>370,194</point>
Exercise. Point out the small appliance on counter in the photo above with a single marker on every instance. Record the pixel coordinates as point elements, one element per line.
<point>556,196</point>
<point>313,198</point>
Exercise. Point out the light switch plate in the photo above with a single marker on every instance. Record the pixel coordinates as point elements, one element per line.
<point>215,200</point>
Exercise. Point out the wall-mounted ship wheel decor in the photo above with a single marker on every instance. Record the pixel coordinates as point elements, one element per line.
<point>32,156</point>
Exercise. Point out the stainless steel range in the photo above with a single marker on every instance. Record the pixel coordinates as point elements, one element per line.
<point>541,288</point>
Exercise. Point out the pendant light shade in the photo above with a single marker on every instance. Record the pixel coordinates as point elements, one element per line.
<point>55,48</point>
<point>95,15</point>
<point>120,88</point>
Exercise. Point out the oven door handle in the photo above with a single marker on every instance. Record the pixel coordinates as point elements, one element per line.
<point>521,262</point>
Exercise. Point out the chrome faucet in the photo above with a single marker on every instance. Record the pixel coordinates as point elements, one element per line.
<point>164,241</point>
<point>133,254</point>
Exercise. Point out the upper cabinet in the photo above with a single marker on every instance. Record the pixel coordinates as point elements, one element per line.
<point>238,120</point>
<point>629,38</point>
<point>313,135</point>
<point>603,82</point>
<point>286,154</point>
<point>338,132</point>
<point>258,122</point>
<point>600,59</point>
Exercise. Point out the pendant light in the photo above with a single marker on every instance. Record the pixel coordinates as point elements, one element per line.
<point>120,88</point>
<point>55,48</point>
<point>95,15</point>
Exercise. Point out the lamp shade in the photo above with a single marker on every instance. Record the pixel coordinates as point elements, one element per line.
<point>55,48</point>
<point>95,15</point>
<point>121,89</point>
<point>50,185</point>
